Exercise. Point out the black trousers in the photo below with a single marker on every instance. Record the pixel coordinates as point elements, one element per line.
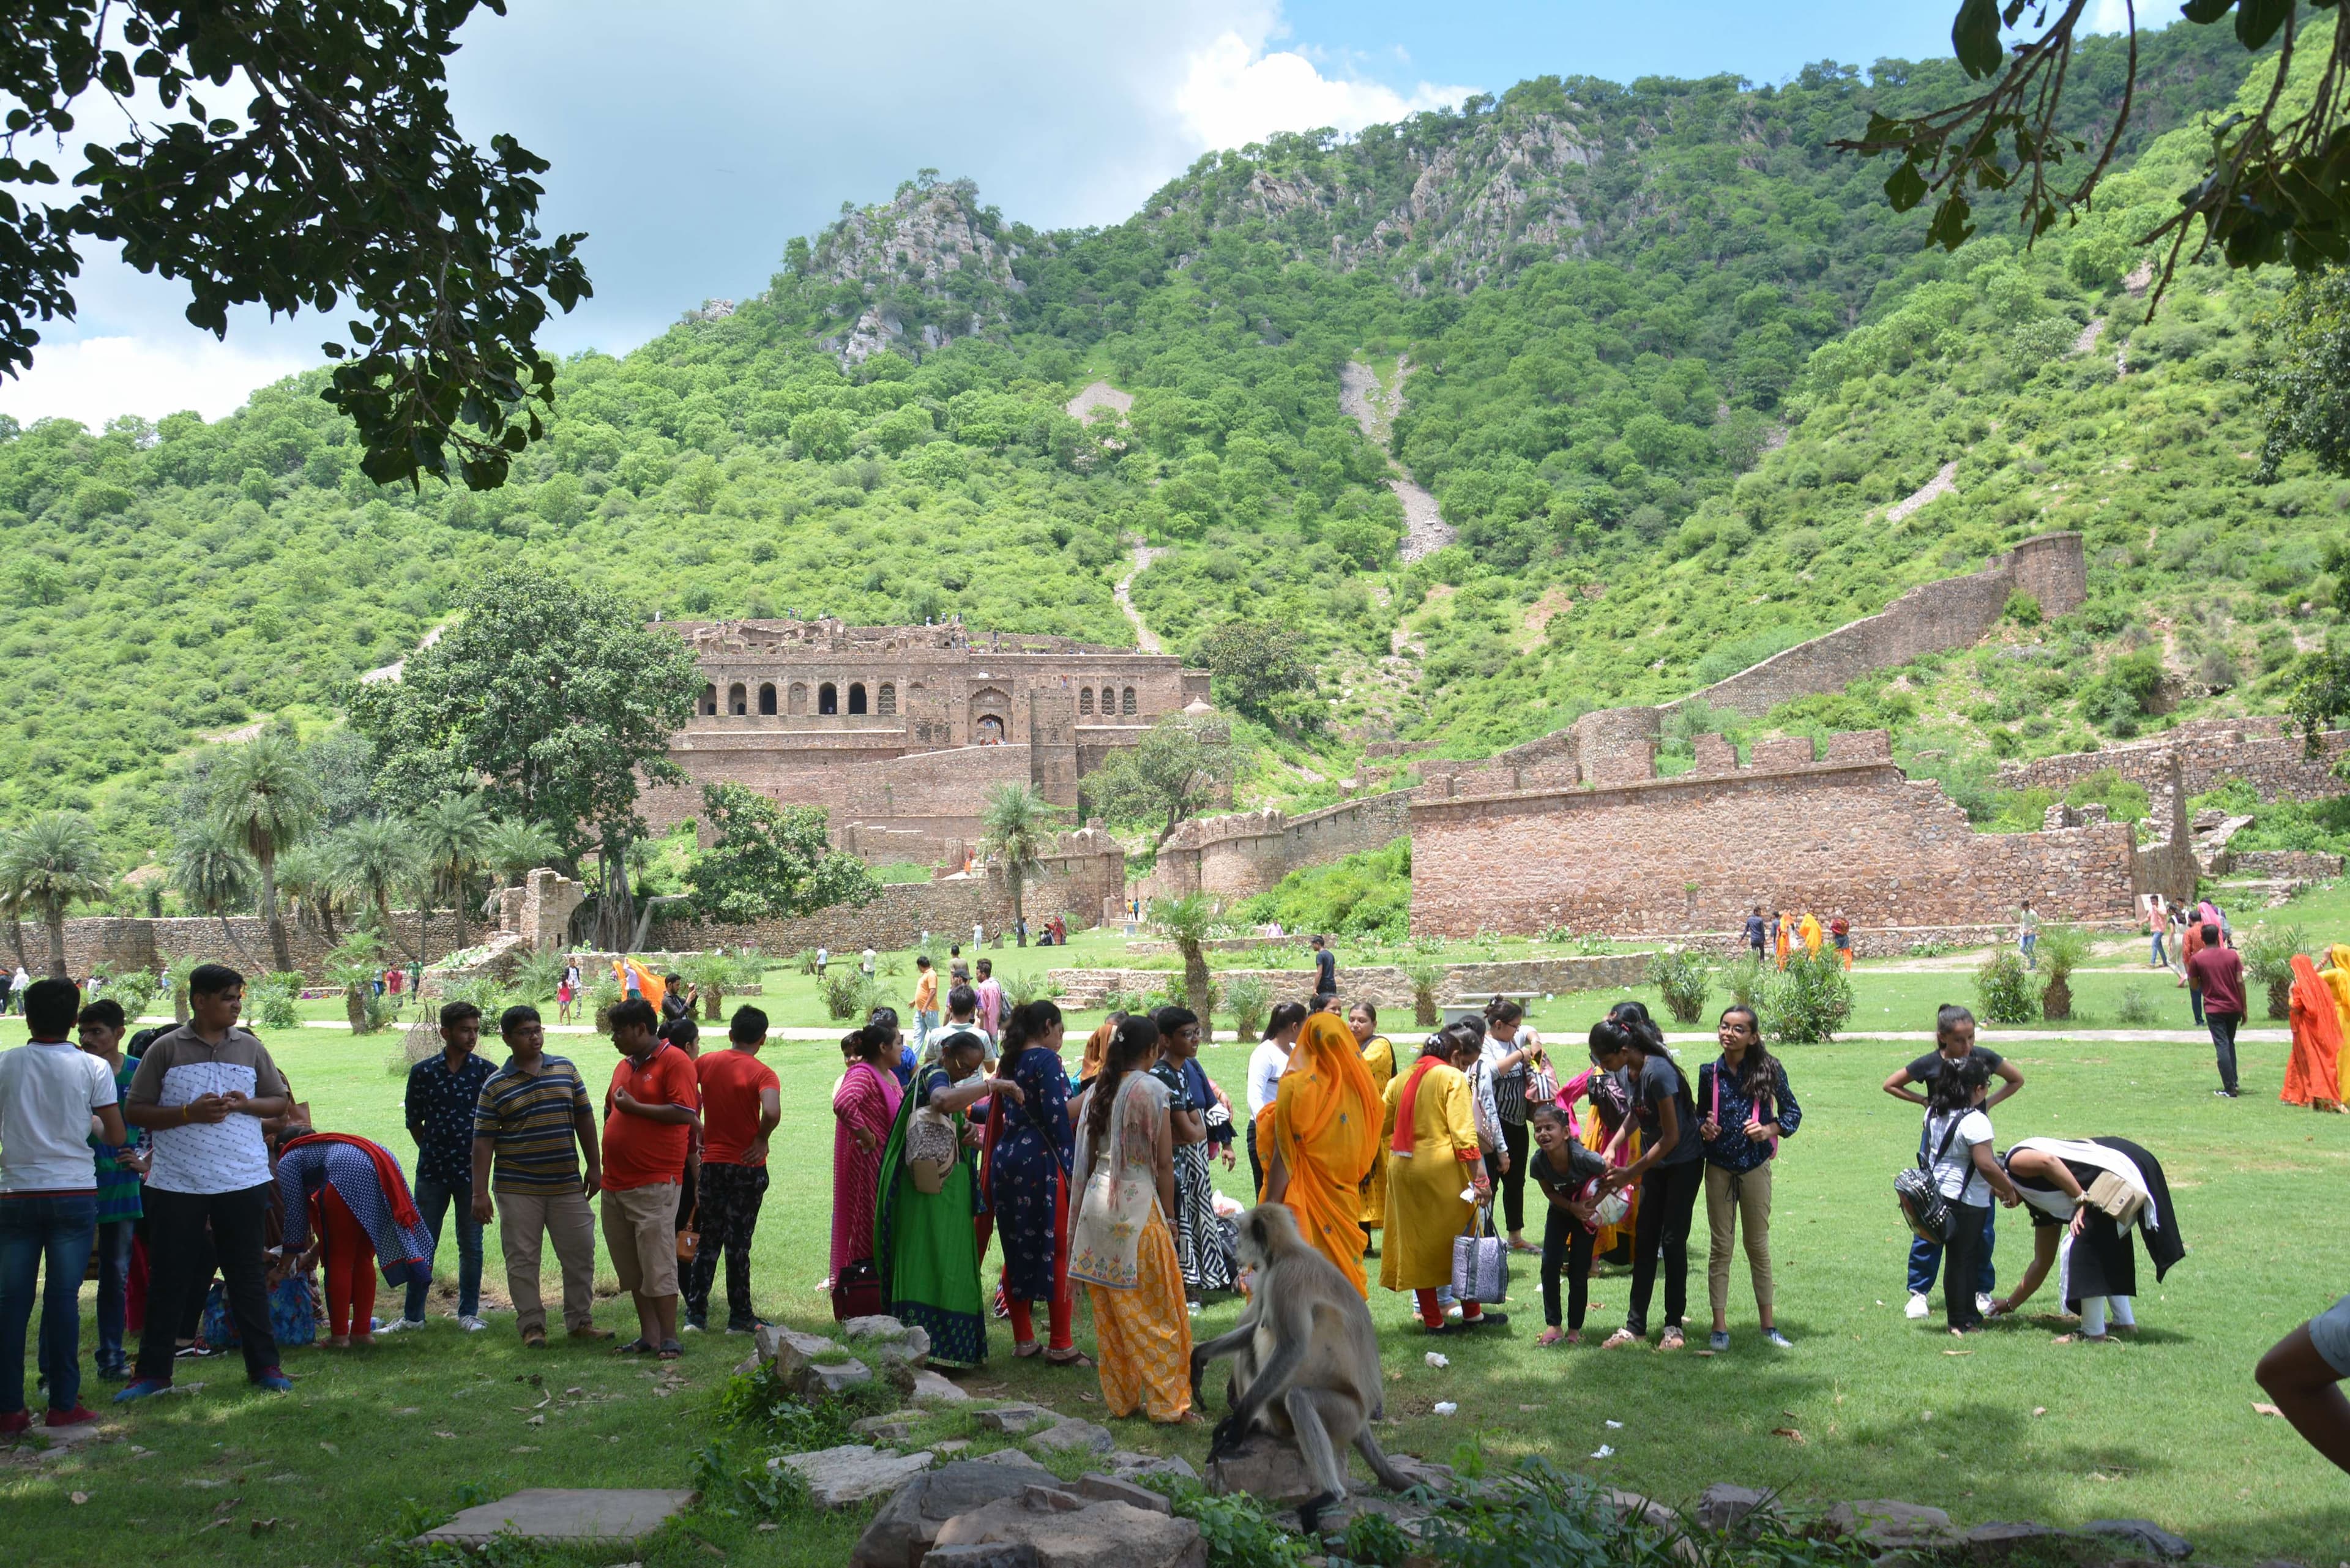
<point>1564,1240</point>
<point>1256,1166</point>
<point>1513,1181</point>
<point>2223,1044</point>
<point>1961,1259</point>
<point>1667,1201</point>
<point>731,1196</point>
<point>177,1274</point>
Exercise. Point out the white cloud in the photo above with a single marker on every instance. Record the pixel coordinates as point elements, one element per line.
<point>2114,15</point>
<point>1235,92</point>
<point>94,379</point>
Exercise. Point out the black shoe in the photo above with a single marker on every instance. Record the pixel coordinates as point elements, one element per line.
<point>746,1324</point>
<point>697,1322</point>
<point>1487,1320</point>
<point>2224,1093</point>
<point>118,1373</point>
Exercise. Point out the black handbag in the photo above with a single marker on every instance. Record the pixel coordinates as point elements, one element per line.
<point>1924,1208</point>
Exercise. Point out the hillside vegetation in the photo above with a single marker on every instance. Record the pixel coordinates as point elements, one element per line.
<point>1668,356</point>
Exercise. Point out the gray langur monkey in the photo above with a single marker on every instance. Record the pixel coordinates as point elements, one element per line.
<point>1305,1360</point>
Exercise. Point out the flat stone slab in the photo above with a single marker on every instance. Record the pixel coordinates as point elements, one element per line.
<point>1073,1437</point>
<point>1017,1418</point>
<point>565,1513</point>
<point>852,1473</point>
<point>931,1388</point>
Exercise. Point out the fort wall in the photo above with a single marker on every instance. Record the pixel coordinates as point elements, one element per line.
<point>1239,855</point>
<point>2265,752</point>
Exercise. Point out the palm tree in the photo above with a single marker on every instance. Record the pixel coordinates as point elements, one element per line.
<point>454,833</point>
<point>48,864</point>
<point>518,848</point>
<point>305,873</point>
<point>12,910</point>
<point>1015,826</point>
<point>264,793</point>
<point>212,872</point>
<point>376,861</point>
<point>1187,921</point>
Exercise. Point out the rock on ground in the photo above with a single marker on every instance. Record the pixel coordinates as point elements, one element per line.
<point>564,1513</point>
<point>828,1378</point>
<point>851,1473</point>
<point>908,1525</point>
<point>1883,1521</point>
<point>1722,1505</point>
<point>1073,1436</point>
<point>929,1388</point>
<point>1267,1468</point>
<point>1099,1536</point>
<point>1109,1488</point>
<point>982,1554</point>
<point>1017,1418</point>
<point>2147,1537</point>
<point>1133,1466</point>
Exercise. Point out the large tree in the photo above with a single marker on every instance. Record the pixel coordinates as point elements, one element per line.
<point>49,864</point>
<point>2272,186</point>
<point>262,792</point>
<point>556,702</point>
<point>455,834</point>
<point>1257,663</point>
<point>1172,773</point>
<point>767,861</point>
<point>289,154</point>
<point>378,859</point>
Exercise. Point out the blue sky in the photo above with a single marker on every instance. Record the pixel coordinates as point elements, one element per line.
<point>692,137</point>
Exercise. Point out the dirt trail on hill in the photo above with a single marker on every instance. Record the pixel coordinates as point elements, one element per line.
<point>1374,408</point>
<point>1144,637</point>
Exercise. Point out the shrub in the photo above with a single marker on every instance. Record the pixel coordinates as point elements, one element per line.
<point>1425,977</point>
<point>848,993</point>
<point>1743,980</point>
<point>2004,988</point>
<point>2060,951</point>
<point>1247,998</point>
<point>1806,1002</point>
<point>1683,977</point>
<point>133,988</point>
<point>804,960</point>
<point>273,1003</point>
<point>2023,609</point>
<point>2269,952</point>
<point>538,976</point>
<point>2137,1009</point>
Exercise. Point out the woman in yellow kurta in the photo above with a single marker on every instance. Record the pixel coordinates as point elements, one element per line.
<point>1379,1055</point>
<point>1325,1134</point>
<point>1120,1246</point>
<point>1431,1129</point>
<point>1812,932</point>
<point>1786,929</point>
<point>2335,977</point>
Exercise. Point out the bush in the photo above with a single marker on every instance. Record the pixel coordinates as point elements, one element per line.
<point>133,988</point>
<point>804,960</point>
<point>1806,1002</point>
<point>2060,951</point>
<point>1247,998</point>
<point>273,1003</point>
<point>1742,978</point>
<point>1425,977</point>
<point>848,993</point>
<point>1683,977</point>
<point>2003,987</point>
<point>2137,1009</point>
<point>538,976</point>
<point>2268,953</point>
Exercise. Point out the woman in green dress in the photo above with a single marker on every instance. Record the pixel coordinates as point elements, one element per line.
<point>926,1244</point>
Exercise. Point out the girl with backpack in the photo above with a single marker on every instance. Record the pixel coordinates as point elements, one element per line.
<point>1746,1108</point>
<point>1954,1148</point>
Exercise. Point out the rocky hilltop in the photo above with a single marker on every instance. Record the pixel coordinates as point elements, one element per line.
<point>920,270</point>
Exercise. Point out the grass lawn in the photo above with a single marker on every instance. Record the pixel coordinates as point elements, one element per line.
<point>376,1444</point>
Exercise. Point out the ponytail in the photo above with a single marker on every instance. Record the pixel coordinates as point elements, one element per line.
<point>1136,1038</point>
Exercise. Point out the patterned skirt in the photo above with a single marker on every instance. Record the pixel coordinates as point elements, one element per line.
<point>1205,1242</point>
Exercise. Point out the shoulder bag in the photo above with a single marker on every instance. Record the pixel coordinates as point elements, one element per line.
<point>1924,1209</point>
<point>1480,1264</point>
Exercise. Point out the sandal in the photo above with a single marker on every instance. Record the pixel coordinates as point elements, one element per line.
<point>638,1347</point>
<point>670,1350</point>
<point>1073,1358</point>
<point>1672,1340</point>
<point>1620,1337</point>
<point>1549,1337</point>
<point>1028,1352</point>
<point>1574,1336</point>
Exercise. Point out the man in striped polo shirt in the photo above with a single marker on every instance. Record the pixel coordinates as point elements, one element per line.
<point>535,1120</point>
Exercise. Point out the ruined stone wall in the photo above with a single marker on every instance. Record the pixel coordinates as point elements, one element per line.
<point>1237,857</point>
<point>1847,835</point>
<point>241,942</point>
<point>2210,752</point>
<point>1384,985</point>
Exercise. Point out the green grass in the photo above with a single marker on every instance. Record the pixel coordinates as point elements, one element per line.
<point>2161,1429</point>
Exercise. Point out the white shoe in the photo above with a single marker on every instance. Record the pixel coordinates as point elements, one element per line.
<point>472,1324</point>
<point>1983,1303</point>
<point>402,1325</point>
<point>1918,1305</point>
<point>1453,1314</point>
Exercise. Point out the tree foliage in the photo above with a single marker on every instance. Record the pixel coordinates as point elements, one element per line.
<point>1256,663</point>
<point>769,862</point>
<point>1170,774</point>
<point>342,173</point>
<point>1016,827</point>
<point>45,865</point>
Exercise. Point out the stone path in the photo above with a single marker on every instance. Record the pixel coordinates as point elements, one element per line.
<point>1144,637</point>
<point>1945,480</point>
<point>565,1513</point>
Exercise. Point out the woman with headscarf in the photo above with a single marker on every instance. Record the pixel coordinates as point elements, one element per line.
<point>2312,1074</point>
<point>1121,1245</point>
<point>1090,1063</point>
<point>1325,1136</point>
<point>1430,1125</point>
<point>352,1190</point>
<point>1026,1174</point>
<point>864,1106</point>
<point>2086,1196</point>
<point>1378,1057</point>
<point>925,1242</point>
<point>1785,927</point>
<point>1811,931</point>
<point>2335,977</point>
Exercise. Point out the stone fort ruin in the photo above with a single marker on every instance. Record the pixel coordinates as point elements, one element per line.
<point>901,732</point>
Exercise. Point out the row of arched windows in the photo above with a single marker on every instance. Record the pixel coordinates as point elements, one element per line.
<point>739,699</point>
<point>1112,701</point>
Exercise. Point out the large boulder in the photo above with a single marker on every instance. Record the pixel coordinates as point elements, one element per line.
<point>787,1349</point>
<point>1109,1488</point>
<point>1099,1536</point>
<point>1723,1506</point>
<point>908,1525</point>
<point>982,1554</point>
<point>851,1473</point>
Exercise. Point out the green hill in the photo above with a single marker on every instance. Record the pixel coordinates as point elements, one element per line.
<point>1670,357</point>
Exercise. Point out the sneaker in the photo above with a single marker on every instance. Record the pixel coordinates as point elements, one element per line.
<point>692,1325</point>
<point>470,1324</point>
<point>1718,1340</point>
<point>591,1332</point>
<point>192,1352</point>
<point>16,1421</point>
<point>117,1371</point>
<point>1918,1305</point>
<point>79,1416</point>
<point>1982,1303</point>
<point>275,1381</point>
<point>402,1324</point>
<point>2223,1094</point>
<point>1773,1337</point>
<point>142,1389</point>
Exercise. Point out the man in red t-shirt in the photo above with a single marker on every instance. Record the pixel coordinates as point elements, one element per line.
<point>649,1117</point>
<point>741,1101</point>
<point>2217,973</point>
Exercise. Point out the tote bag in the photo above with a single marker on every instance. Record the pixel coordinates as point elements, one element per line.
<point>1480,1264</point>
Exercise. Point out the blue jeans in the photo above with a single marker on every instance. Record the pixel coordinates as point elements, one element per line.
<point>113,1290</point>
<point>2031,940</point>
<point>1926,1260</point>
<point>2157,957</point>
<point>434,1199</point>
<point>59,1229</point>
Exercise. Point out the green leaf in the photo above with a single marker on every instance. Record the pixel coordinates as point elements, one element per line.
<point>1904,187</point>
<point>2203,12</point>
<point>1974,37</point>
<point>2258,20</point>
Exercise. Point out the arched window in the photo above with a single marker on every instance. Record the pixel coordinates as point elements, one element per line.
<point>1110,701</point>
<point>736,703</point>
<point>989,732</point>
<point>708,705</point>
<point>767,697</point>
<point>828,699</point>
<point>886,701</point>
<point>1126,706</point>
<point>1085,699</point>
<point>799,697</point>
<point>856,697</point>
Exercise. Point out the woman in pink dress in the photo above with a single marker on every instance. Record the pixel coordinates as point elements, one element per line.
<point>864,1107</point>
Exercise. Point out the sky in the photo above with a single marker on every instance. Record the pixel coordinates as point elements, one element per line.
<point>691,139</point>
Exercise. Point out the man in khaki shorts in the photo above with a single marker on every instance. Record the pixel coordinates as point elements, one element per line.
<point>536,1118</point>
<point>649,1113</point>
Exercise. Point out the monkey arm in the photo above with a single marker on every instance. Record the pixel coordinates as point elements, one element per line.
<point>1294,1326</point>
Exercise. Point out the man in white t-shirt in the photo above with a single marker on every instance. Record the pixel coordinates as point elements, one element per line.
<point>53,1094</point>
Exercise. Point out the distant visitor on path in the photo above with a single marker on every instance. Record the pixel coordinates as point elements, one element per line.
<point>1757,933</point>
<point>2027,934</point>
<point>1325,968</point>
<point>2086,1197</point>
<point>1954,1041</point>
<point>2312,1074</point>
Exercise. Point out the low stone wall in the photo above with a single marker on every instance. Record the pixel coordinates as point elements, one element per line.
<point>1237,857</point>
<point>2263,752</point>
<point>1884,941</point>
<point>2293,865</point>
<point>240,941</point>
<point>1385,985</point>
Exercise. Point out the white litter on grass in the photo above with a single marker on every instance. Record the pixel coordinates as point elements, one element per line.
<point>1605,1452</point>
<point>1446,1407</point>
<point>1436,1358</point>
<point>1615,1426</point>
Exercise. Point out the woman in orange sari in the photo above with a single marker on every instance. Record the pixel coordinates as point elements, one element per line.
<point>1325,1136</point>
<point>2312,1077</point>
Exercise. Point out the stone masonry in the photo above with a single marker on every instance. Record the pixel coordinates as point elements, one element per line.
<point>1244,854</point>
<point>2264,752</point>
